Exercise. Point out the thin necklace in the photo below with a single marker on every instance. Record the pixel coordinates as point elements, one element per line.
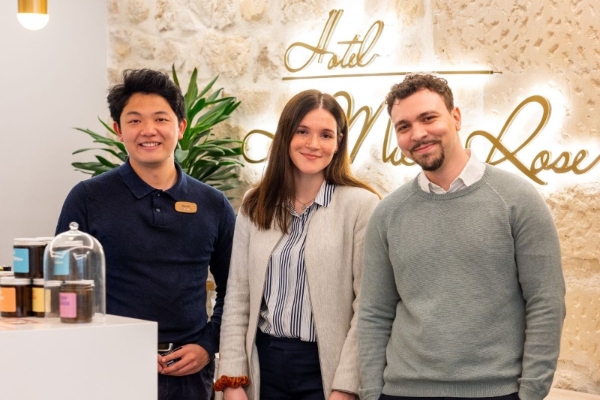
<point>305,205</point>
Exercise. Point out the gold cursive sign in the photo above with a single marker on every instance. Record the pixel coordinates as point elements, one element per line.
<point>565,162</point>
<point>255,132</point>
<point>357,51</point>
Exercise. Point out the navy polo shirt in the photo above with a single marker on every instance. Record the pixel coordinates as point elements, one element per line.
<point>157,259</point>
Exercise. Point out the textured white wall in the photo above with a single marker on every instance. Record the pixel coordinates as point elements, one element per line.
<point>51,81</point>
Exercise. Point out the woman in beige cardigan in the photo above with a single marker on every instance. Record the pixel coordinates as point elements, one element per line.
<point>296,266</point>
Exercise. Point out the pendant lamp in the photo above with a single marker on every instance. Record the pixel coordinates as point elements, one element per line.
<point>33,14</point>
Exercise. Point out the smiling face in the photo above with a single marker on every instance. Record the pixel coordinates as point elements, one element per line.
<point>149,129</point>
<point>314,143</point>
<point>426,131</point>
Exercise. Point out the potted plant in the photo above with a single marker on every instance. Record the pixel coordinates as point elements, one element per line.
<point>200,155</point>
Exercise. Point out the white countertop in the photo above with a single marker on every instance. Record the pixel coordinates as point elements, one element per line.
<point>34,323</point>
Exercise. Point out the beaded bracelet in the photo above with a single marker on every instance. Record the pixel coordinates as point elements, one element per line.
<point>225,382</point>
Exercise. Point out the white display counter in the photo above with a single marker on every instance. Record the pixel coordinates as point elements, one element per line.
<point>43,359</point>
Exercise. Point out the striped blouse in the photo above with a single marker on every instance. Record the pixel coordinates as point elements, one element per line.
<point>286,309</point>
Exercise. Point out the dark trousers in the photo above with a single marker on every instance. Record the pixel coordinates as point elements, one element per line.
<point>198,386</point>
<point>512,396</point>
<point>289,369</point>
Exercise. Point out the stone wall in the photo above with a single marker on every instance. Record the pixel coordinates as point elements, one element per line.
<point>550,48</point>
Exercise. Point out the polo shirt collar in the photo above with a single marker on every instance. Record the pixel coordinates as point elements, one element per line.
<point>141,189</point>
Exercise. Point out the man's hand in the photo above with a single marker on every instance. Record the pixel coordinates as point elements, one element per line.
<point>335,395</point>
<point>193,359</point>
<point>160,364</point>
<point>234,394</point>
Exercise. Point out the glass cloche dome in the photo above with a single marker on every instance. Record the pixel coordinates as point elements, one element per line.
<point>74,277</point>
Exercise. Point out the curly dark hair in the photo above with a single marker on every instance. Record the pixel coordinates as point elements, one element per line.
<point>416,82</point>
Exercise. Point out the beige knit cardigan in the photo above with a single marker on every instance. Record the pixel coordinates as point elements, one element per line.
<point>333,257</point>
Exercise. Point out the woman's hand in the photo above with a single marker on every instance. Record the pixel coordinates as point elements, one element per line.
<point>234,394</point>
<point>336,395</point>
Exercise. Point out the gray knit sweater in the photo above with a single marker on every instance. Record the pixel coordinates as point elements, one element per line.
<point>462,293</point>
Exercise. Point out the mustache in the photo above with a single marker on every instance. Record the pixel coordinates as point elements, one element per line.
<point>422,143</point>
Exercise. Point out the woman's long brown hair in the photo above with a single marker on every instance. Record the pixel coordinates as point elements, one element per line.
<point>269,200</point>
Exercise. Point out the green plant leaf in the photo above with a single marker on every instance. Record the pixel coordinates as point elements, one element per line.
<point>195,109</point>
<point>223,187</point>
<point>93,168</point>
<point>104,140</point>
<point>208,87</point>
<point>192,91</point>
<point>181,155</point>
<point>174,75</point>
<point>108,128</point>
<point>117,154</point>
<point>106,163</point>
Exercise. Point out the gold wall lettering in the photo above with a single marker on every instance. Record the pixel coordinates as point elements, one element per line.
<point>565,162</point>
<point>396,157</point>
<point>368,121</point>
<point>255,132</point>
<point>543,161</point>
<point>357,51</point>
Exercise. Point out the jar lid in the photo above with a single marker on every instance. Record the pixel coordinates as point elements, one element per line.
<point>28,242</point>
<point>38,281</point>
<point>12,281</point>
<point>83,282</point>
<point>5,268</point>
<point>53,283</point>
<point>45,238</point>
<point>7,273</point>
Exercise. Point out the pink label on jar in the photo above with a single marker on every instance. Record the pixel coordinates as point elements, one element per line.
<point>68,305</point>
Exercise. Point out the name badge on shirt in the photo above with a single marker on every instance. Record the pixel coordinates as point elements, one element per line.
<point>186,207</point>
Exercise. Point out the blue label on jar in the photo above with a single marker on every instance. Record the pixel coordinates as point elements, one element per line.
<point>21,260</point>
<point>61,262</point>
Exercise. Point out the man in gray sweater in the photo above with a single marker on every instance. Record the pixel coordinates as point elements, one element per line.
<point>463,292</point>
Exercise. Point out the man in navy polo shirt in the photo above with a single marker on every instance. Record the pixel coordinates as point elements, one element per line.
<point>161,231</point>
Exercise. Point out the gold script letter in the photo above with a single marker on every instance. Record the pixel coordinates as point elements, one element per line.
<point>321,49</point>
<point>351,59</point>
<point>352,118</point>
<point>248,135</point>
<point>564,163</point>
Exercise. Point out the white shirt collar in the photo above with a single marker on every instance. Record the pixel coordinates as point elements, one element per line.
<point>471,173</point>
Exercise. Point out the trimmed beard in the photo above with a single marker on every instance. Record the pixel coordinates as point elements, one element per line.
<point>430,163</point>
<point>434,164</point>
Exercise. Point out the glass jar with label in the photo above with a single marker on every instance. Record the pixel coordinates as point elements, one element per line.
<point>77,301</point>
<point>37,298</point>
<point>15,297</point>
<point>28,258</point>
<point>52,298</point>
